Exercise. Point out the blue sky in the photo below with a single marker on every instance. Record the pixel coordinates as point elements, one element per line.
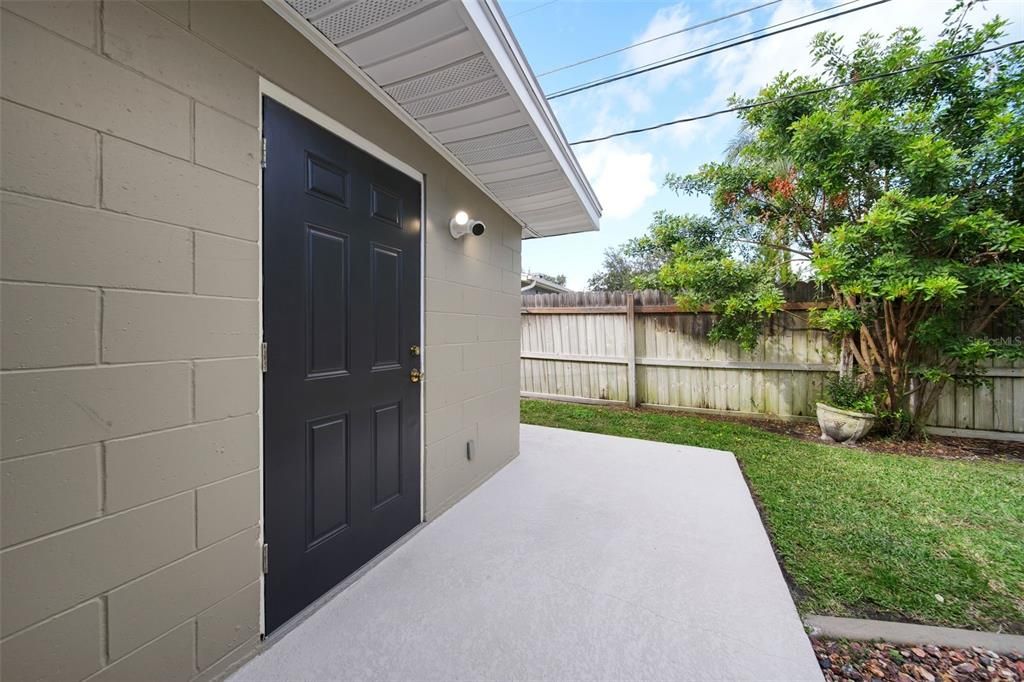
<point>627,173</point>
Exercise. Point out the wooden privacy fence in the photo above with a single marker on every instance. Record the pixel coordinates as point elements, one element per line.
<point>639,349</point>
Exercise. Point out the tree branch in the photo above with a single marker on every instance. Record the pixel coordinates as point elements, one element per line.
<point>980,326</point>
<point>780,247</point>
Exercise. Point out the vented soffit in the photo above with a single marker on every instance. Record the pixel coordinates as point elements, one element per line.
<point>452,70</point>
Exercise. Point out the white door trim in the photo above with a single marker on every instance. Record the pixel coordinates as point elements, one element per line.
<point>310,112</point>
<point>344,132</point>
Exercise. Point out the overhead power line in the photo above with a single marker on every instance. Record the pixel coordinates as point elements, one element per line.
<point>687,56</point>
<point>731,39</point>
<point>655,38</point>
<point>801,93</point>
<point>530,9</point>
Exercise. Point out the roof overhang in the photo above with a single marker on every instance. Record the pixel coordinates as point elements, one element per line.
<point>454,73</point>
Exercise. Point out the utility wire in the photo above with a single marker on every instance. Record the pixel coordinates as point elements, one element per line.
<point>742,35</point>
<point>530,9</point>
<point>663,35</point>
<point>801,93</point>
<point>703,53</point>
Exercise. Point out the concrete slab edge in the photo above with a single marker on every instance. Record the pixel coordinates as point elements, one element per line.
<point>833,627</point>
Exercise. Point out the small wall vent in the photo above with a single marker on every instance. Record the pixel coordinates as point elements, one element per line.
<point>453,99</point>
<point>454,75</point>
<point>359,16</point>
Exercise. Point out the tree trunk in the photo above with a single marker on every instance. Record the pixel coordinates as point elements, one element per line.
<point>846,358</point>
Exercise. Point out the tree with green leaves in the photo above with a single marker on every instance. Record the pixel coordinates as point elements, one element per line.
<point>618,270</point>
<point>901,196</point>
<point>635,264</point>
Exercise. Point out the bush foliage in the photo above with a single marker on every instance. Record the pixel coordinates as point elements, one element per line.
<point>902,197</point>
<point>848,392</point>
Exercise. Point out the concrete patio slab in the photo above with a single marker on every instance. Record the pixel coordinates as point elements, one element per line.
<point>588,557</point>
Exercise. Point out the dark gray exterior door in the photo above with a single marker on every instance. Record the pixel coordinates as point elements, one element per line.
<point>341,312</point>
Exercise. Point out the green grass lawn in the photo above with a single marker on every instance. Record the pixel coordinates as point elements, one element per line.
<point>860,533</point>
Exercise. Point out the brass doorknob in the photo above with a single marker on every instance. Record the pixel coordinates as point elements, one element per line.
<point>415,376</point>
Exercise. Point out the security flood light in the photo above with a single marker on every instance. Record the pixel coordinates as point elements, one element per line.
<point>462,224</point>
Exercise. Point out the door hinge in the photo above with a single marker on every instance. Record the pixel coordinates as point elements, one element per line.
<point>263,153</point>
<point>266,559</point>
<point>263,356</point>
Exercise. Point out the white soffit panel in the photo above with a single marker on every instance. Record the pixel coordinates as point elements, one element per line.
<point>453,71</point>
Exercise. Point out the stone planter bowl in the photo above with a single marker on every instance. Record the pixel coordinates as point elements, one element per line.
<point>843,426</point>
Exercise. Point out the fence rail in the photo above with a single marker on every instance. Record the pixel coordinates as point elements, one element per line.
<point>639,349</point>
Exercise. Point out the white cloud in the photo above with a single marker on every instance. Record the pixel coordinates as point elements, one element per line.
<point>690,133</point>
<point>622,178</point>
<point>744,70</point>
<point>665,20</point>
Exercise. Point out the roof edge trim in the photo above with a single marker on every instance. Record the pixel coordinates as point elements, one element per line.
<point>504,48</point>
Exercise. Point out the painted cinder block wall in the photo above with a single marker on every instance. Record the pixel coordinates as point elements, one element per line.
<point>130,317</point>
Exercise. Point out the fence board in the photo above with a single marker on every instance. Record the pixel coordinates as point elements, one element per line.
<point>1018,398</point>
<point>579,346</point>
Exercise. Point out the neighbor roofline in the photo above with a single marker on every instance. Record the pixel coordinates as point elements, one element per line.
<point>534,280</point>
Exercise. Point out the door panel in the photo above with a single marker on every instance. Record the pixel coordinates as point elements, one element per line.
<point>387,453</point>
<point>341,292</point>
<point>386,287</point>
<point>327,317</point>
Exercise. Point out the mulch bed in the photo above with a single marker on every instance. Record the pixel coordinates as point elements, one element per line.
<point>868,662</point>
<point>942,447</point>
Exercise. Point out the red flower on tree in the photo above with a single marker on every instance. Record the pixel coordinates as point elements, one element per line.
<point>783,186</point>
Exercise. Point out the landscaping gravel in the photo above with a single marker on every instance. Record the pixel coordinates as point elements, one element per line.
<point>868,661</point>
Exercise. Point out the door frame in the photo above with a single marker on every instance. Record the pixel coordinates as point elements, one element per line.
<point>273,91</point>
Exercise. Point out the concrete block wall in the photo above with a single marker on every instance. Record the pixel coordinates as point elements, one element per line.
<point>472,334</point>
<point>129,527</point>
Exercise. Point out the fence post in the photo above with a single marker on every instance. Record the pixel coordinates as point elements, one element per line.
<point>631,396</point>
